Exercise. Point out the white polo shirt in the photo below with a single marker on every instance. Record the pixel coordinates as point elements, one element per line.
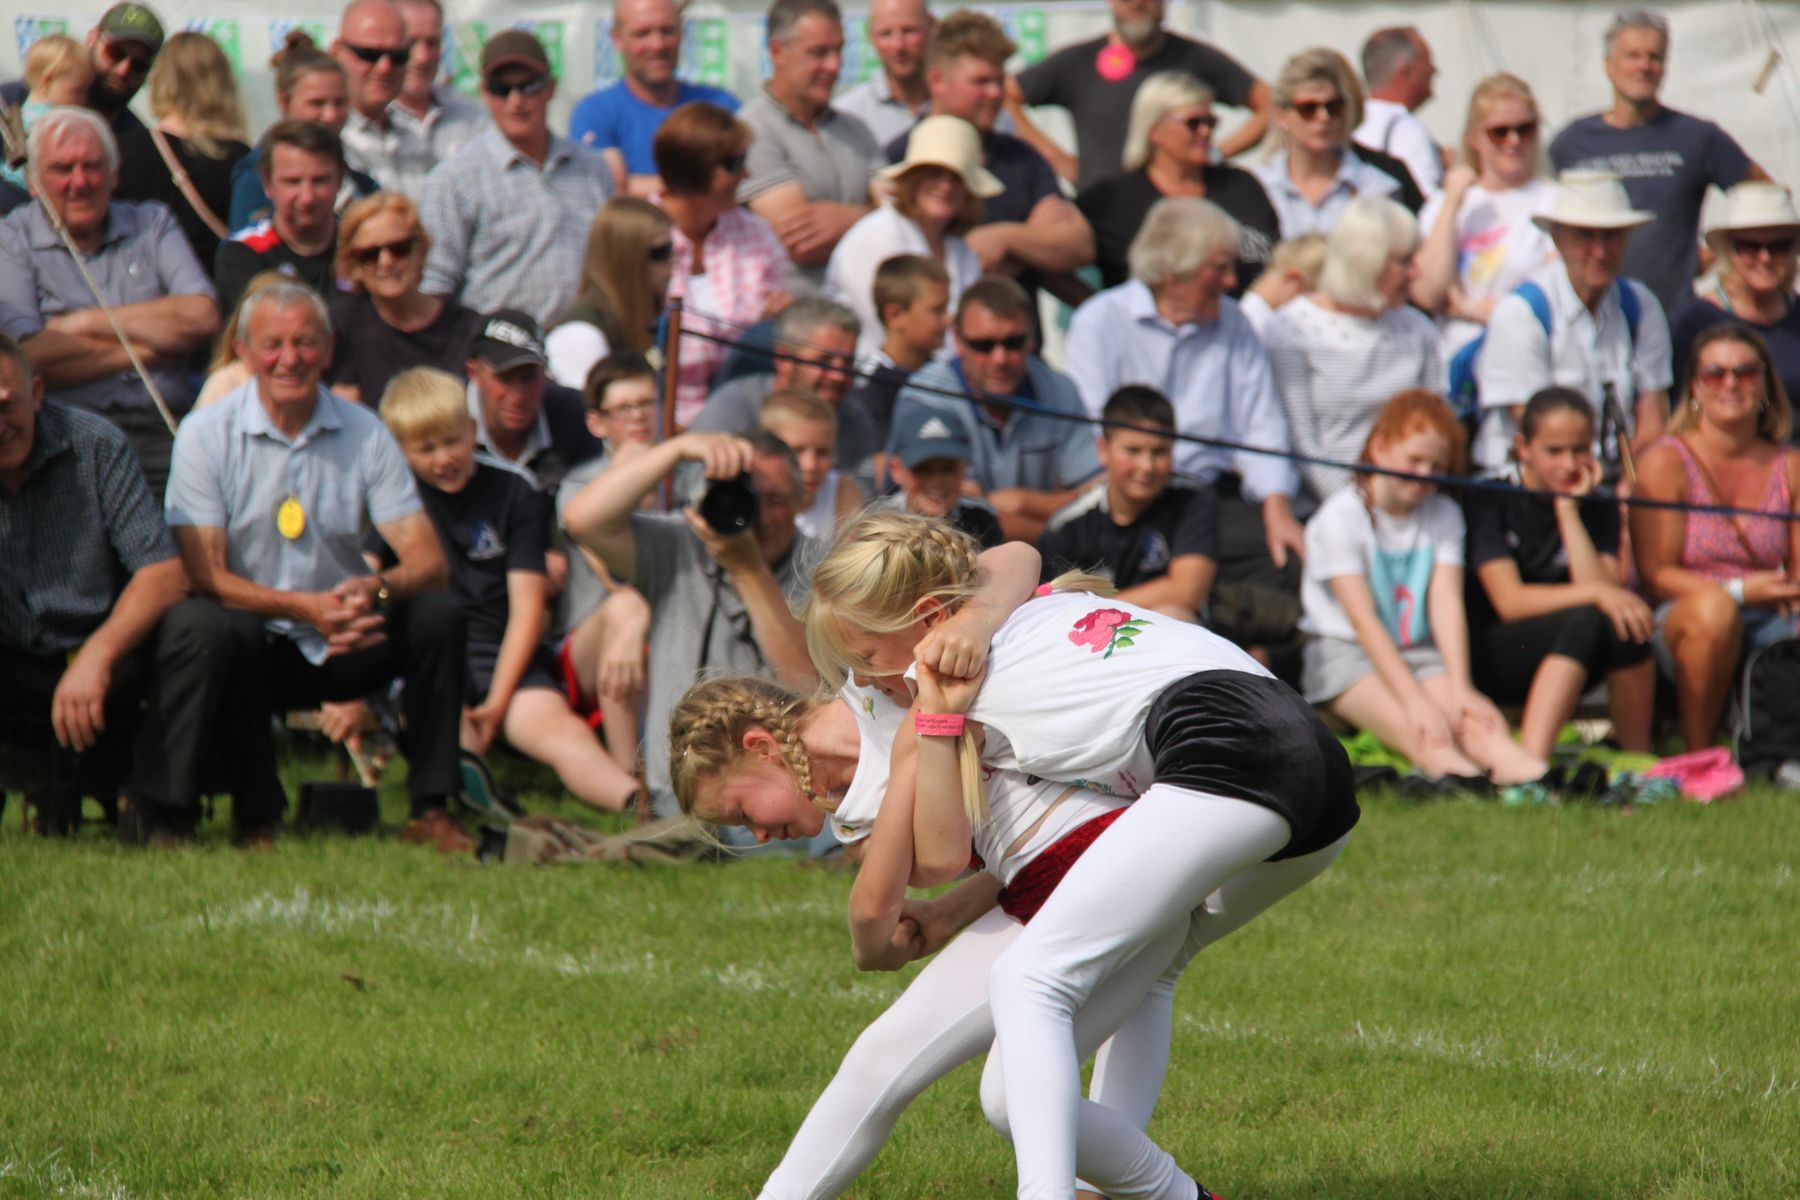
<point>1584,350</point>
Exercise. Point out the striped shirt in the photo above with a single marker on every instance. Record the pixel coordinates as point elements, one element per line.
<point>507,232</point>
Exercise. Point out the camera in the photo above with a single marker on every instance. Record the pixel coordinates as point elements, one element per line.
<point>729,506</point>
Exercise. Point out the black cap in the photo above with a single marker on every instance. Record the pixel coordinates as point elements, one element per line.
<point>507,339</point>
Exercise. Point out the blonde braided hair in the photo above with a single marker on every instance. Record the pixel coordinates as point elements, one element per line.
<point>707,727</point>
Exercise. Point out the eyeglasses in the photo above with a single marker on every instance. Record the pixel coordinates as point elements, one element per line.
<point>1198,123</point>
<point>636,408</point>
<point>1716,375</point>
<point>661,253</point>
<point>1012,344</point>
<point>372,55</point>
<point>535,86</point>
<point>732,165</point>
<point>1524,131</point>
<point>139,56</point>
<point>1309,110</point>
<point>1752,248</point>
<point>368,256</point>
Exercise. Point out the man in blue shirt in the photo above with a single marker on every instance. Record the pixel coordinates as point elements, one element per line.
<point>1027,463</point>
<point>621,120</point>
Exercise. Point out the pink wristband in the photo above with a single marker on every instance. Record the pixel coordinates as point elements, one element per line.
<point>938,724</point>
<point>1043,589</point>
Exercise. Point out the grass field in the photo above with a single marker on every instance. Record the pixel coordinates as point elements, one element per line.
<point>1476,1002</point>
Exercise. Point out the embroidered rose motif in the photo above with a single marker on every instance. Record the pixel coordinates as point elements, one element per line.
<point>1107,629</point>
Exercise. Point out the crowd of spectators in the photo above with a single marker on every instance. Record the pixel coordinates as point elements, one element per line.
<point>373,404</point>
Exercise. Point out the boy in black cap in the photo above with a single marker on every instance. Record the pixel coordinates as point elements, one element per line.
<point>929,460</point>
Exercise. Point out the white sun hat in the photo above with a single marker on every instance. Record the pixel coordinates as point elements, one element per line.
<point>945,141</point>
<point>1753,205</point>
<point>1591,200</point>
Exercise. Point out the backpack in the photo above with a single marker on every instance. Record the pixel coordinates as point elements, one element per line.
<point>1768,717</point>
<point>1465,393</point>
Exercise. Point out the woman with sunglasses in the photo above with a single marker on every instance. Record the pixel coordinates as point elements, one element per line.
<point>1481,242</point>
<point>1168,152</point>
<point>728,263</point>
<point>1724,586</point>
<point>309,86</point>
<point>624,279</point>
<point>1314,173</point>
<point>384,323</point>
<point>1756,245</point>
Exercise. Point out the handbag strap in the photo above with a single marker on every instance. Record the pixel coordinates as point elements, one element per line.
<point>1719,498</point>
<point>189,192</point>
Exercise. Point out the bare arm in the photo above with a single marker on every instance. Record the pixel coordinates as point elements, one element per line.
<point>169,325</point>
<point>78,706</point>
<point>1184,588</point>
<point>422,567</point>
<point>1352,592</point>
<point>526,593</point>
<point>1054,238</point>
<point>1066,165</point>
<point>958,646</point>
<point>808,228</point>
<point>880,888</point>
<point>1437,257</point>
<point>203,554</point>
<point>1023,511</point>
<point>1449,622</point>
<point>68,359</point>
<point>598,517</point>
<point>1261,102</point>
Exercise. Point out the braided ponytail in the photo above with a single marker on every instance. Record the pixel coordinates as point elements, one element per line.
<point>707,728</point>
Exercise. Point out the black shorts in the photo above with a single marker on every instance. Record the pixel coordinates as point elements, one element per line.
<point>541,670</point>
<point>1250,737</point>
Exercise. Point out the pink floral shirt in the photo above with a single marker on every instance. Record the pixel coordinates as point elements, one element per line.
<point>745,266</point>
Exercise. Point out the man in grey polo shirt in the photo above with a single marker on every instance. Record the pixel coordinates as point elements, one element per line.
<point>373,48</point>
<point>271,496</point>
<point>509,215</point>
<point>719,605</point>
<point>157,290</point>
<point>1027,464</point>
<point>809,164</point>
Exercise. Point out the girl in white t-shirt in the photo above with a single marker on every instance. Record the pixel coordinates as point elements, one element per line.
<point>750,752</point>
<point>1240,790</point>
<point>1387,645</point>
<point>1480,242</point>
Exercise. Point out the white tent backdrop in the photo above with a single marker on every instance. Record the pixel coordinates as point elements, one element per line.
<point>1721,48</point>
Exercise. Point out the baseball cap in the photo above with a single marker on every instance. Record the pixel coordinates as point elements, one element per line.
<point>509,338</point>
<point>513,47</point>
<point>922,434</point>
<point>132,23</point>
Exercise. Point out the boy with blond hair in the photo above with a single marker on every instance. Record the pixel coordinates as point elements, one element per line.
<point>808,427</point>
<point>494,527</point>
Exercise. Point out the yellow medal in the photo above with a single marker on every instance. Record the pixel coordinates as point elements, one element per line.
<point>290,519</point>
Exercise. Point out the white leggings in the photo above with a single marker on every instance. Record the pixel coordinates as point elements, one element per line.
<point>942,1021</point>
<point>1138,893</point>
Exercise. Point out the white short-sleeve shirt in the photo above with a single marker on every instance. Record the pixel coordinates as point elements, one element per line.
<point>1395,554</point>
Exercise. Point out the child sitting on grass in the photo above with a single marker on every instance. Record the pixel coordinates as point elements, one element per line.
<point>1387,641</point>
<point>808,425</point>
<point>1154,534</point>
<point>494,526</point>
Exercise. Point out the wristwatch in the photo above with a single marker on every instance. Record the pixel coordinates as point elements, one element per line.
<point>383,598</point>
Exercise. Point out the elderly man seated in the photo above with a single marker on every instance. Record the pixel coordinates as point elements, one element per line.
<point>272,494</point>
<point>1027,463</point>
<point>1172,327</point>
<point>92,625</point>
<point>157,290</point>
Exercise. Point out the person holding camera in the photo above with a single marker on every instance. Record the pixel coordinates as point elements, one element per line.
<point>719,575</point>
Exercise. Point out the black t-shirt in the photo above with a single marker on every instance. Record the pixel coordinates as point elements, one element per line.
<point>1083,535</point>
<point>1102,108</point>
<point>370,352</point>
<point>496,524</point>
<point>211,178</point>
<point>1512,524</point>
<point>1116,208</point>
<point>260,248</point>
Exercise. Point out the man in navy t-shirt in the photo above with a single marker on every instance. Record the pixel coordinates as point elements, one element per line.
<point>621,120</point>
<point>1667,159</point>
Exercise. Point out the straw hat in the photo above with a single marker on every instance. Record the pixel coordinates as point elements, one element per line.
<point>1592,200</point>
<point>952,142</point>
<point>1758,205</point>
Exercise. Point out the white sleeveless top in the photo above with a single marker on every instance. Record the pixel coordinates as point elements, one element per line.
<point>820,519</point>
<point>1015,802</point>
<point>1071,678</point>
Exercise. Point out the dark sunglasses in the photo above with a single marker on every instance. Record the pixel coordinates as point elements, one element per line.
<point>1011,344</point>
<point>372,55</point>
<point>368,256</point>
<point>1308,110</point>
<point>1523,131</point>
<point>535,86</point>
<point>1751,247</point>
<point>661,253</point>
<point>1197,124</point>
<point>732,165</point>
<point>140,57</point>
<point>1743,373</point>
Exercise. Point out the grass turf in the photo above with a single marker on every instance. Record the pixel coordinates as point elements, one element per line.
<point>1475,1002</point>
